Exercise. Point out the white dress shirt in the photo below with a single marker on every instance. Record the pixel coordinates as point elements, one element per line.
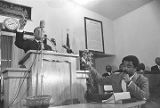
<point>124,85</point>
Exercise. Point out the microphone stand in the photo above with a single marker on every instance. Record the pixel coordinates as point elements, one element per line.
<point>39,71</point>
<point>44,99</point>
<point>41,62</point>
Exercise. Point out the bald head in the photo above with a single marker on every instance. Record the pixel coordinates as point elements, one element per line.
<point>37,33</point>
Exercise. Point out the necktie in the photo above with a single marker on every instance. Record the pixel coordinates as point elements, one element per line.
<point>123,84</point>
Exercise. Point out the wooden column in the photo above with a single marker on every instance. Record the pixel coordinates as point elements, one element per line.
<point>15,87</point>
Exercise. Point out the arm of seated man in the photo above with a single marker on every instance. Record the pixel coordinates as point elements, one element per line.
<point>96,75</point>
<point>139,89</point>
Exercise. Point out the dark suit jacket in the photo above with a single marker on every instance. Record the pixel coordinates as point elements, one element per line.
<point>105,74</point>
<point>28,44</point>
<point>138,88</point>
<point>155,69</point>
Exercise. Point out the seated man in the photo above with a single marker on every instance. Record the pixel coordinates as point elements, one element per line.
<point>29,44</point>
<point>156,68</point>
<point>136,84</point>
<point>108,71</point>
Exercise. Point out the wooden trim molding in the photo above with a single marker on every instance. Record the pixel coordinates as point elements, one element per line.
<point>27,35</point>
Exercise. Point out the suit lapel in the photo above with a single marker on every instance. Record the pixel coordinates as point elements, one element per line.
<point>135,77</point>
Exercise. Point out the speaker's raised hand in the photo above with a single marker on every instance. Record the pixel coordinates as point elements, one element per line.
<point>22,22</point>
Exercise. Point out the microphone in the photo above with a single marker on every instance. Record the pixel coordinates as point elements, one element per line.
<point>67,48</point>
<point>54,41</point>
<point>42,24</point>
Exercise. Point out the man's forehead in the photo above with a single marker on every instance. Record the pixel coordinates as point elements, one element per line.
<point>127,63</point>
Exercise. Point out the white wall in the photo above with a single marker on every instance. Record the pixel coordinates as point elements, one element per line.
<point>62,15</point>
<point>138,33</point>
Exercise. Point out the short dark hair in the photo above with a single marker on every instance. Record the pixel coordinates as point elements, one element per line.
<point>141,66</point>
<point>108,66</point>
<point>132,59</point>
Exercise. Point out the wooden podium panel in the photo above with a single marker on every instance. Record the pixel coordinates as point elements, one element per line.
<point>56,74</point>
<point>15,82</point>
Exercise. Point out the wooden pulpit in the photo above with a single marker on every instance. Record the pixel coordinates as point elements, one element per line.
<point>54,74</point>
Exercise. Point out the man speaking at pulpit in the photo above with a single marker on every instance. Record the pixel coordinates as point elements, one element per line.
<point>37,43</point>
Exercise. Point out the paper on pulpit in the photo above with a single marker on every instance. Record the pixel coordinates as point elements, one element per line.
<point>122,96</point>
<point>117,97</point>
<point>108,88</point>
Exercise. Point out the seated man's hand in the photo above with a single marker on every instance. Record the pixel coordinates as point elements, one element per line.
<point>126,78</point>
